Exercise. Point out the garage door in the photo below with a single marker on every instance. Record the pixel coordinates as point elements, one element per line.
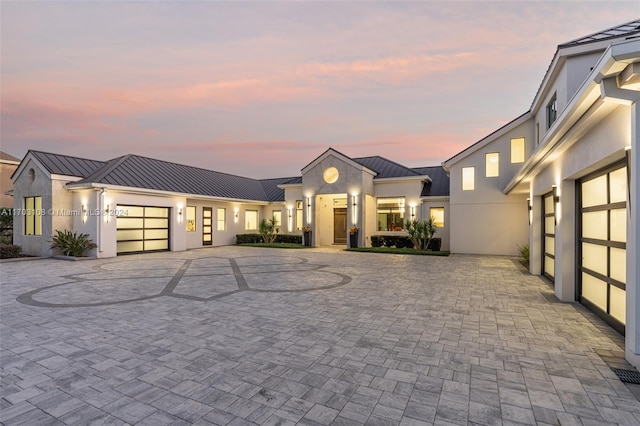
<point>602,246</point>
<point>142,229</point>
<point>549,236</point>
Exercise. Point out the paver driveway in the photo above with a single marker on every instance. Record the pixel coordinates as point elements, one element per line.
<point>246,335</point>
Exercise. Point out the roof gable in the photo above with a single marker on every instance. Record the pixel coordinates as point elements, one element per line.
<point>625,30</point>
<point>385,168</point>
<point>332,152</point>
<point>66,165</point>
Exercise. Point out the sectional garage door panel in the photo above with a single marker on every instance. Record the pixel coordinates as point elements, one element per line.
<point>602,247</point>
<point>549,236</point>
<point>143,229</point>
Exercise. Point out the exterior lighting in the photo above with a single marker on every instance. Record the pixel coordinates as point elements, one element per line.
<point>530,209</point>
<point>236,213</point>
<point>290,218</point>
<point>309,210</point>
<point>556,200</point>
<point>354,213</point>
<point>413,210</point>
<point>107,212</point>
<point>84,211</point>
<point>179,214</point>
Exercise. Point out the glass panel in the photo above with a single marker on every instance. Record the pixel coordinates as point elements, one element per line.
<point>38,215</point>
<point>548,204</point>
<point>468,178</point>
<point>156,245</point>
<point>619,225</point>
<point>222,219</point>
<point>206,213</point>
<point>206,229</point>
<point>594,257</point>
<point>549,245</point>
<point>618,185</point>
<point>618,264</point>
<point>298,219</point>
<point>594,192</point>
<point>549,266</point>
<point>594,290</point>
<point>250,219</point>
<point>191,219</point>
<point>156,233</point>
<point>206,237</point>
<point>123,222</point>
<point>549,225</point>
<point>278,215</point>
<point>29,222</point>
<point>438,214</point>
<point>517,150</point>
<point>156,223</point>
<point>206,221</point>
<point>131,210</point>
<point>129,234</point>
<point>594,225</point>
<point>156,212</point>
<point>339,202</point>
<point>130,246</point>
<point>390,214</point>
<point>492,164</point>
<point>617,304</point>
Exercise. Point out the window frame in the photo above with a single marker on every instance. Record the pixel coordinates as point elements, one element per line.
<point>246,213</point>
<point>521,148</point>
<point>472,177</point>
<point>220,220</point>
<point>486,165</point>
<point>443,218</point>
<point>33,215</point>
<point>552,110</point>
<point>191,221</point>
<point>299,214</point>
<point>402,211</point>
<point>278,215</point>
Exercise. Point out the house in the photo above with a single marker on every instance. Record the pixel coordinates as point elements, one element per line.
<point>134,204</point>
<point>561,177</point>
<point>8,165</point>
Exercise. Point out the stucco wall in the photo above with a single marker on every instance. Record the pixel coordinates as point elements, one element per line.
<point>6,170</point>
<point>443,232</point>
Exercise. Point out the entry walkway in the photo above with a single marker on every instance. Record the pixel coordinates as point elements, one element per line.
<point>243,335</point>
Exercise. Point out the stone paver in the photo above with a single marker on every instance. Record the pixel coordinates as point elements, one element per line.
<point>246,336</point>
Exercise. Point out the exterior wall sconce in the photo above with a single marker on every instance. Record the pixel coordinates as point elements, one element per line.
<point>236,214</point>
<point>354,213</point>
<point>179,214</point>
<point>530,209</point>
<point>627,152</point>
<point>84,212</point>
<point>290,218</point>
<point>107,212</point>
<point>413,211</point>
<point>309,210</point>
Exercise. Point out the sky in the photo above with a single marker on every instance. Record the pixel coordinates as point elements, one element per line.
<point>260,89</point>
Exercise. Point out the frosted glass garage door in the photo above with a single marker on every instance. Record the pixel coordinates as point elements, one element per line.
<point>549,236</point>
<point>142,229</point>
<point>602,244</point>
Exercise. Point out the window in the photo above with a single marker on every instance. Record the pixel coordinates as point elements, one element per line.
<point>33,216</point>
<point>492,161</point>
<point>277,214</point>
<point>299,215</point>
<point>537,133</point>
<point>191,219</point>
<point>468,178</point>
<point>517,150</point>
<point>552,111</point>
<point>251,219</point>
<point>390,214</point>
<point>222,219</point>
<point>438,214</point>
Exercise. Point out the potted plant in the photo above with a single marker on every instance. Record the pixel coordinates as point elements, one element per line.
<point>306,230</point>
<point>353,236</point>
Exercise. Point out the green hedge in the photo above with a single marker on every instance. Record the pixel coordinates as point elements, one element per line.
<point>401,241</point>
<point>8,251</point>
<point>280,238</point>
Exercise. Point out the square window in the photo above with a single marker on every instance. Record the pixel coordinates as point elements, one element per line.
<point>492,164</point>
<point>251,220</point>
<point>437,213</point>
<point>391,214</point>
<point>468,178</point>
<point>517,150</point>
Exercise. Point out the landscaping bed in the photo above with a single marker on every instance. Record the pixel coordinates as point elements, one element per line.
<point>391,250</point>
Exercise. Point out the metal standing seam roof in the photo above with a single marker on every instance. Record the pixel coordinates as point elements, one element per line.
<point>271,189</point>
<point>385,168</point>
<point>623,30</point>
<point>66,165</point>
<point>439,185</point>
<point>8,157</point>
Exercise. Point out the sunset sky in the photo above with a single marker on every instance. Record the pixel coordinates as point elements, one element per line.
<point>262,88</point>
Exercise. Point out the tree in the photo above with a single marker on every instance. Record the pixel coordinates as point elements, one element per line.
<point>421,233</point>
<point>269,229</point>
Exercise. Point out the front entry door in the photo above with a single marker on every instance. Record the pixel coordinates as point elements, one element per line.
<point>340,226</point>
<point>207,217</point>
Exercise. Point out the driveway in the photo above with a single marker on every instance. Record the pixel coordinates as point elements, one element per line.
<point>240,335</point>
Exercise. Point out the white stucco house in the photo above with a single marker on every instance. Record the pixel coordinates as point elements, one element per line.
<point>561,177</point>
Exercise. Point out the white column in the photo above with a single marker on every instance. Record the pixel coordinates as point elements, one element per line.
<point>632,335</point>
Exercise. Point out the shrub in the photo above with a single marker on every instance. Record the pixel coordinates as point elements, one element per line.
<point>6,225</point>
<point>72,244</point>
<point>377,241</point>
<point>256,238</point>
<point>523,251</point>
<point>421,233</point>
<point>269,230</point>
<point>435,244</point>
<point>248,238</point>
<point>8,251</point>
<point>289,239</point>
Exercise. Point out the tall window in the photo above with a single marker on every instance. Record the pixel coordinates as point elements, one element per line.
<point>251,219</point>
<point>278,215</point>
<point>33,216</point>
<point>222,219</point>
<point>390,214</point>
<point>517,150</point>
<point>468,178</point>
<point>492,162</point>
<point>191,219</point>
<point>552,111</point>
<point>438,214</point>
<point>299,215</point>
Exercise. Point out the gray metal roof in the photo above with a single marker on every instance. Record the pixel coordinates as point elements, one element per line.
<point>8,157</point>
<point>384,167</point>
<point>271,189</point>
<point>439,185</point>
<point>143,172</point>
<point>66,165</point>
<point>626,30</point>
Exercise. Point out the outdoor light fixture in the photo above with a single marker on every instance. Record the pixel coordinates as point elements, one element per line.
<point>107,211</point>
<point>308,210</point>
<point>413,210</point>
<point>530,209</point>
<point>627,151</point>
<point>235,215</point>
<point>556,200</point>
<point>84,212</point>
<point>354,212</point>
<point>179,214</point>
<point>290,221</point>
